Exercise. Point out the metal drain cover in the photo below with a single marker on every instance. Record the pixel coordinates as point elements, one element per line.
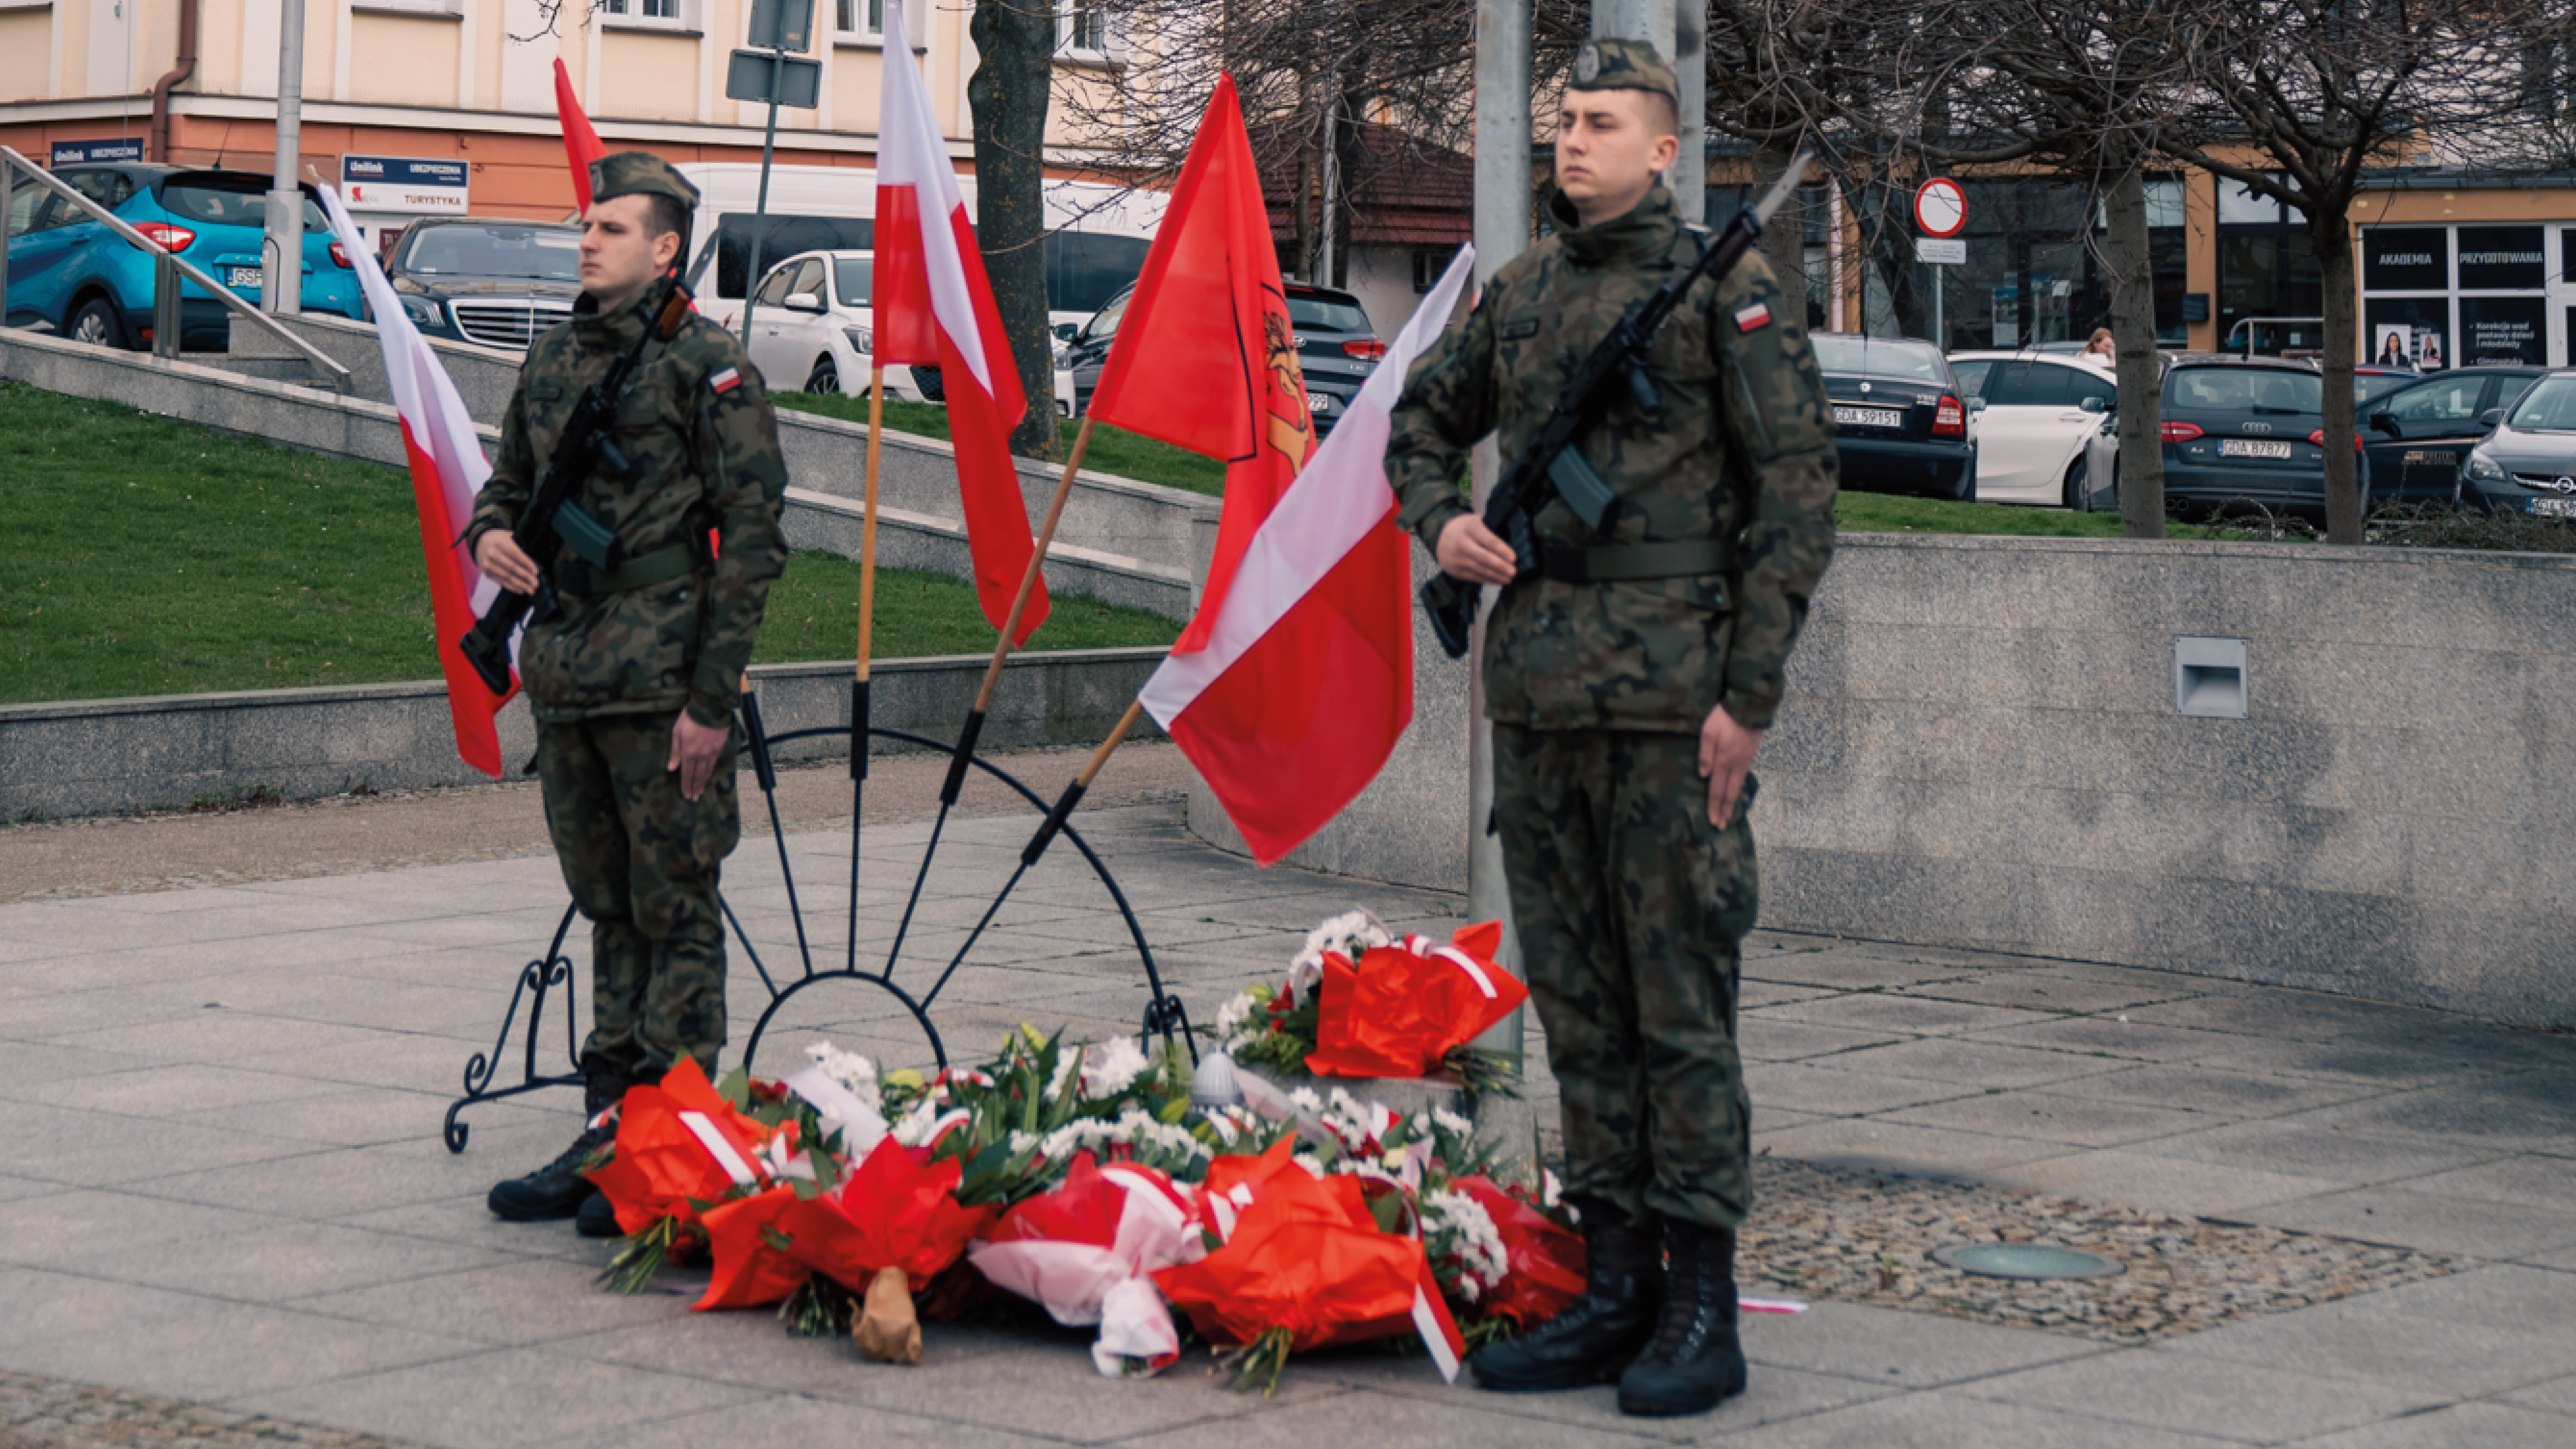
<point>2026,1260</point>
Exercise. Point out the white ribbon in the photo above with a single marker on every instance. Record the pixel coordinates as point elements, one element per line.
<point>859,1124</point>
<point>712,1138</point>
<point>1427,1323</point>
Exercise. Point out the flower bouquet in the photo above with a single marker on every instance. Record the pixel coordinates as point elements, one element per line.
<point>682,1148</point>
<point>1358,1002</point>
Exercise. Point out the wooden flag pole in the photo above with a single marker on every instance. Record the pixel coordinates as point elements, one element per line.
<point>973,729</point>
<point>867,640</point>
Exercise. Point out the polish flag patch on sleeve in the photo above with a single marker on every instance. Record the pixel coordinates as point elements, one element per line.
<point>1757,315</point>
<point>731,378</point>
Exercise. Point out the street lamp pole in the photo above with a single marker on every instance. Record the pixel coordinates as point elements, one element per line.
<point>281,287</point>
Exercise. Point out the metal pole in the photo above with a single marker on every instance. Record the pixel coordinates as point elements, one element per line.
<point>1645,20</point>
<point>1502,231</point>
<point>166,317</point>
<point>281,287</point>
<point>760,213</point>
<point>1940,336</point>
<point>1689,176</point>
<point>1332,179</point>
<point>8,180</point>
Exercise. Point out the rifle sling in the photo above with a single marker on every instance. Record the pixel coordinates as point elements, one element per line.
<point>1624,562</point>
<point>573,576</point>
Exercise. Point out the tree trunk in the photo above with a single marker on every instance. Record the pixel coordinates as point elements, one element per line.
<point>1784,241</point>
<point>1015,56</point>
<point>2125,255</point>
<point>2333,241</point>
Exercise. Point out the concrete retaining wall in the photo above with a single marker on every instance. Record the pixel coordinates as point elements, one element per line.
<point>1982,748</point>
<point>368,429</point>
<point>104,755</point>
<point>1110,515</point>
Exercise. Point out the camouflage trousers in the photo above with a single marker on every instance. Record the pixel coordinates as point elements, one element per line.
<point>1631,909</point>
<point>642,864</point>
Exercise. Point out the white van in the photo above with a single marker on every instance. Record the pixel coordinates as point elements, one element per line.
<point>1096,240</point>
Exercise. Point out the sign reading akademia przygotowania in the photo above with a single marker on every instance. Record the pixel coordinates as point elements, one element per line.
<point>412,185</point>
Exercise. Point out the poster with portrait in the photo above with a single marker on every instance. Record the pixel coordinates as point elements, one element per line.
<point>2396,346</point>
<point>2415,325</point>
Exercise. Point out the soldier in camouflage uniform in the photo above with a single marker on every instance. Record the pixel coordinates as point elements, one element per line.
<point>1629,681</point>
<point>634,683</point>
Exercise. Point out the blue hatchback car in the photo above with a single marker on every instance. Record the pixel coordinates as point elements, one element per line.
<point>69,269</point>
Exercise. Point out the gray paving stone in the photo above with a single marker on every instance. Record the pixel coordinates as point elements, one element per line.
<point>163,1090</point>
<point>2279,1015</point>
<point>2110,1036</point>
<point>186,1346</point>
<point>1899,1012</point>
<point>2310,1147</point>
<point>1362,1416</point>
<point>330,1183</point>
<point>2050,990</point>
<point>1898,1350</point>
<point>2228,1095</point>
<point>1953,1420</point>
<point>1829,1091</point>
<point>1877,1144</point>
<point>528,1303</point>
<point>29,1064</point>
<point>2427,1222</point>
<point>1762,1037</point>
<point>2198,1396</point>
<point>2127,1177</point>
<point>223,1036</point>
<point>2534,1300</point>
<point>1846,970</point>
<point>1985,1063</point>
<point>466,1222</point>
<point>84,1230</point>
<point>1773,1395</point>
<point>280,1264</point>
<point>797,1419</point>
<point>94,1149</point>
<point>2461,1426</point>
<point>503,1398</point>
<point>2370,1340</point>
<point>2558,1396</point>
<point>750,1349</point>
<point>2524,1112</point>
<point>2049,1117</point>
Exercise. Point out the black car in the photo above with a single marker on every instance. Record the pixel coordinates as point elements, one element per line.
<point>2416,435</point>
<point>489,280</point>
<point>1337,349</point>
<point>2529,464</point>
<point>1900,416</point>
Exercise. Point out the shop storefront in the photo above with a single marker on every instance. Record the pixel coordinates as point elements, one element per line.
<point>2467,295</point>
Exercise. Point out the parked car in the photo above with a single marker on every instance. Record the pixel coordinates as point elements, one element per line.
<point>73,271</point>
<point>2040,410</point>
<point>2528,465</point>
<point>1902,422</point>
<point>813,332</point>
<point>489,280</point>
<point>1337,349</point>
<point>2238,433</point>
<point>2370,380</point>
<point>2416,435</point>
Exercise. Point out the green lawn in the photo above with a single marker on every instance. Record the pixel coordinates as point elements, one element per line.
<point>146,556</point>
<point>1111,451</point>
<point>1891,513</point>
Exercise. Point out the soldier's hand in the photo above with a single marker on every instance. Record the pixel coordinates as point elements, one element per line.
<point>499,556</point>
<point>1726,751</point>
<point>1469,550</point>
<point>694,748</point>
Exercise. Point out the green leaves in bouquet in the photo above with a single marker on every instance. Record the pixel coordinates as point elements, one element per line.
<point>640,1256</point>
<point>1258,1364</point>
<point>819,1308</point>
<point>1484,1071</point>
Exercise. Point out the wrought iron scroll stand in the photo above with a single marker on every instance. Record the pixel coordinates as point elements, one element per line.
<point>552,973</point>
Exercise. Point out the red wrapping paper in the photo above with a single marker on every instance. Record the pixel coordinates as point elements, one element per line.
<point>1404,1007</point>
<point>749,1270</point>
<point>663,1168</point>
<point>1546,1260</point>
<point>894,1212</point>
<point>1307,1256</point>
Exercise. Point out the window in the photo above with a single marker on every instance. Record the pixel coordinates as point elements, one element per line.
<point>1912,361</point>
<point>773,290</point>
<point>851,276</point>
<point>1428,264</point>
<point>862,22</point>
<point>24,198</point>
<point>203,201</point>
<point>660,14</point>
<point>547,253</point>
<point>787,235</point>
<point>1328,314</point>
<point>1972,375</point>
<point>809,280</point>
<point>108,188</point>
<point>1085,269</point>
<point>1089,30</point>
<point>2550,406</point>
<point>2453,400</point>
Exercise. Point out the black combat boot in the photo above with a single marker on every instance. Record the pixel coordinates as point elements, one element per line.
<point>558,1190</point>
<point>1695,1360</point>
<point>597,1218</point>
<point>1599,1333</point>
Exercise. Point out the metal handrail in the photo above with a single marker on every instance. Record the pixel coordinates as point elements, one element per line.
<point>9,157</point>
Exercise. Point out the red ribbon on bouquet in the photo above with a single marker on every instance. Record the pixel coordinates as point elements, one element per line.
<point>1404,1007</point>
<point>1307,1256</point>
<point>678,1144</point>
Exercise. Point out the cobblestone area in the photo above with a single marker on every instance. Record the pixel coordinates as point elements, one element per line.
<point>1823,1232</point>
<point>43,1414</point>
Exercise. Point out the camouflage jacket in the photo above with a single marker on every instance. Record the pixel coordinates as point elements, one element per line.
<point>1743,450</point>
<point>698,428</point>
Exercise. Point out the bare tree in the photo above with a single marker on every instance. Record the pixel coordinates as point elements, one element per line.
<point>1015,43</point>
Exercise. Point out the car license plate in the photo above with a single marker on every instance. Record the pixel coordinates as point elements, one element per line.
<point>2554,507</point>
<point>240,277</point>
<point>1868,418</point>
<point>2251,448</point>
<point>1317,402</point>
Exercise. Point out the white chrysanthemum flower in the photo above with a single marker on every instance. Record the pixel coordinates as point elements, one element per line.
<point>1451,1123</point>
<point>915,1127</point>
<point>1068,1060</point>
<point>1111,1067</point>
<point>1467,1230</point>
<point>1314,1165</point>
<point>1349,935</point>
<point>855,1073</point>
<point>1305,1100</point>
<point>1239,1023</point>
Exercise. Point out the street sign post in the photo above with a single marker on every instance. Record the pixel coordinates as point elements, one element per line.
<point>1940,213</point>
<point>768,73</point>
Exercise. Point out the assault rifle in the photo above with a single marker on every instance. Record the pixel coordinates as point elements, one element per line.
<point>584,451</point>
<point>1553,464</point>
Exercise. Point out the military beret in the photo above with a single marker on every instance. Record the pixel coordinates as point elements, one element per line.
<point>1616,63</point>
<point>639,173</point>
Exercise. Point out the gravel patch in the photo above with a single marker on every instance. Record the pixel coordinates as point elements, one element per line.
<point>1824,1232</point>
<point>44,1414</point>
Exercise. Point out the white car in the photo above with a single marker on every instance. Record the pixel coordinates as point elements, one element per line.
<point>2040,410</point>
<point>811,332</point>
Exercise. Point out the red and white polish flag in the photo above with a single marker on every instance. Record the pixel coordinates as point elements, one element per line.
<point>447,469</point>
<point>1306,680</point>
<point>934,306</point>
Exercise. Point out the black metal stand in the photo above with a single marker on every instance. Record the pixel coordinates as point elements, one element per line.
<point>1164,1014</point>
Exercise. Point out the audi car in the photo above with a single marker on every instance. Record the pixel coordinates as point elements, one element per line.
<point>2239,434</point>
<point>1902,422</point>
<point>1337,349</point>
